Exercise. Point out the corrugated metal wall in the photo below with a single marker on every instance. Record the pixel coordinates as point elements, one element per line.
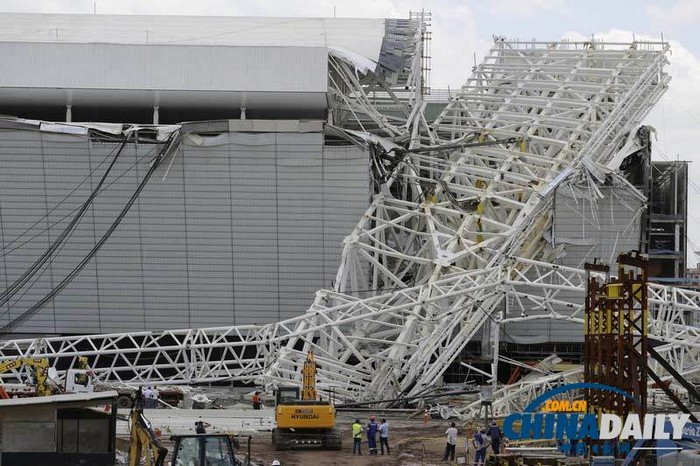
<point>587,230</point>
<point>244,228</point>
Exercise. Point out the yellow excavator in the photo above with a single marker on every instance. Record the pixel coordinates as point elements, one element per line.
<point>304,421</point>
<point>43,386</point>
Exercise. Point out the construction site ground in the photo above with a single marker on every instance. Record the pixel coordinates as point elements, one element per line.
<point>411,441</point>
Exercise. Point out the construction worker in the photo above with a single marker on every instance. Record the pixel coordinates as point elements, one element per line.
<point>151,395</point>
<point>83,378</point>
<point>384,436</point>
<point>451,443</point>
<point>573,447</point>
<point>139,402</point>
<point>357,437</point>
<point>494,434</point>
<point>154,397</point>
<point>372,429</point>
<point>426,416</point>
<point>148,397</point>
<point>200,427</point>
<point>481,442</point>
<point>257,400</point>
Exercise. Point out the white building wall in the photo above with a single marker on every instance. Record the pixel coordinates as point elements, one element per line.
<point>163,67</point>
<point>360,35</point>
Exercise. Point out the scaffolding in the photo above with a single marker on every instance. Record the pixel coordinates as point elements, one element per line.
<point>616,327</point>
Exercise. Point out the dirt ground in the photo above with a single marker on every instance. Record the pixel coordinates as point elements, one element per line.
<point>411,443</point>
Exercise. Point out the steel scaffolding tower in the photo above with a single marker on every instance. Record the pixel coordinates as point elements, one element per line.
<point>616,337</point>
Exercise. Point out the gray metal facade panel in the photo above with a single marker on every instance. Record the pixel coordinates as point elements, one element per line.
<point>209,244</point>
<point>119,271</point>
<point>23,204</point>
<point>611,226</point>
<point>164,248</point>
<point>67,175</point>
<point>163,67</point>
<point>346,168</point>
<point>254,225</point>
<point>587,231</point>
<point>300,220</point>
<point>243,229</point>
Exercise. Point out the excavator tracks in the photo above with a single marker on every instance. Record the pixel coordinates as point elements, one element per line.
<point>284,439</point>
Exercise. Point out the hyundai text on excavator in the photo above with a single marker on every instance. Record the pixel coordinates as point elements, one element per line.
<point>304,421</point>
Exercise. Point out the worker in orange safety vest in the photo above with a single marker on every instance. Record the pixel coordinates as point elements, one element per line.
<point>257,400</point>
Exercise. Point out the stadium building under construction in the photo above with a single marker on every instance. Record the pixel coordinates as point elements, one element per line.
<point>188,200</point>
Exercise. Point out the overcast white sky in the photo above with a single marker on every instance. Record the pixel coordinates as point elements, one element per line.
<point>464,28</point>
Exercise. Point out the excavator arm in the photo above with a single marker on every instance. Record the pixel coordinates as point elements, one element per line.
<point>309,378</point>
<point>143,441</point>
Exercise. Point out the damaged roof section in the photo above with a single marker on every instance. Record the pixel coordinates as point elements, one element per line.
<point>599,224</point>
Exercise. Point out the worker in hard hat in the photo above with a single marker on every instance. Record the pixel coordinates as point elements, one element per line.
<point>83,378</point>
<point>372,429</point>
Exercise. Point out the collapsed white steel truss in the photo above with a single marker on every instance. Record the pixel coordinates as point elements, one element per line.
<point>452,239</point>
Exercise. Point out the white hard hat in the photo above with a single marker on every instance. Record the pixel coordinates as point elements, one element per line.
<point>276,463</point>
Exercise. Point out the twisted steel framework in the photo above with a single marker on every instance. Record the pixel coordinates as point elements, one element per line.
<point>453,238</point>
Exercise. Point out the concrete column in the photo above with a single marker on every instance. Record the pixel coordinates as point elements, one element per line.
<point>242,113</point>
<point>69,113</point>
<point>155,114</point>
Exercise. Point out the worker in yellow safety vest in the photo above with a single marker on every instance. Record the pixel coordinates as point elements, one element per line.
<point>357,437</point>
